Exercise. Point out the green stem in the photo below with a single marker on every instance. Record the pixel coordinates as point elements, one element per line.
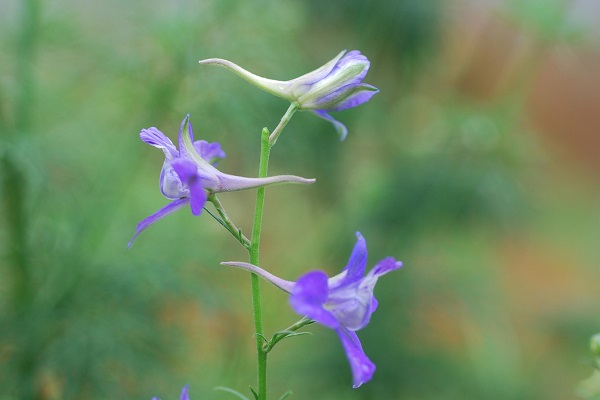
<point>265,150</point>
<point>284,120</point>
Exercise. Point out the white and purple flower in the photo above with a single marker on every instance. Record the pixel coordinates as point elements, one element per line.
<point>188,175</point>
<point>343,303</point>
<point>335,86</point>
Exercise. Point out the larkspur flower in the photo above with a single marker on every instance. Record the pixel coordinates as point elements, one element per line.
<point>343,303</point>
<point>335,86</point>
<point>188,175</point>
<point>184,394</point>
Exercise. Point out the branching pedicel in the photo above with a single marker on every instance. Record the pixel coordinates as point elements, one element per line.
<point>343,302</point>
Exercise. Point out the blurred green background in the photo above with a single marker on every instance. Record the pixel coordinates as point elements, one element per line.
<point>477,165</point>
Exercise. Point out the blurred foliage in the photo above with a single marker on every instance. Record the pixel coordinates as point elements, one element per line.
<point>498,232</point>
<point>548,19</point>
<point>589,389</point>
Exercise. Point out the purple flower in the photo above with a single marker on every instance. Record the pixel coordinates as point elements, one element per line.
<point>343,303</point>
<point>188,175</point>
<point>335,86</point>
<point>184,394</point>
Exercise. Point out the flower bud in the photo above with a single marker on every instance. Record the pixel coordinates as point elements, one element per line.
<point>335,86</point>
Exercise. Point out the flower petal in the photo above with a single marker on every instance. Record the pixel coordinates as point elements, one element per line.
<point>339,84</point>
<point>197,198</point>
<point>362,368</point>
<point>374,305</point>
<point>339,127</point>
<point>188,172</point>
<point>185,131</point>
<point>355,269</point>
<point>363,295</point>
<point>354,96</point>
<point>163,212</point>
<point>308,297</point>
<point>188,151</point>
<point>211,152</point>
<point>170,184</point>
<point>303,83</point>
<point>347,65</point>
<point>353,56</point>
<point>350,307</point>
<point>384,266</point>
<point>184,393</point>
<point>156,138</point>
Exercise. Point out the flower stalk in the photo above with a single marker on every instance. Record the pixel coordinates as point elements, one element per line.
<point>265,149</point>
<point>284,120</point>
<point>266,143</point>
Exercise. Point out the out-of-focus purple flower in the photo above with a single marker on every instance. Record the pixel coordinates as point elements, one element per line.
<point>343,303</point>
<point>184,394</point>
<point>188,175</point>
<point>335,86</point>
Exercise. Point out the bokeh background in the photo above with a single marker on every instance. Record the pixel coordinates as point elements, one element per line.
<point>478,165</point>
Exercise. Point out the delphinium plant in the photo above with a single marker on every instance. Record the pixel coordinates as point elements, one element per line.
<point>189,177</point>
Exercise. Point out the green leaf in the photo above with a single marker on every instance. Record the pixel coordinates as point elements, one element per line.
<point>296,334</point>
<point>234,392</point>
<point>254,393</point>
<point>279,336</point>
<point>284,332</point>
<point>287,334</point>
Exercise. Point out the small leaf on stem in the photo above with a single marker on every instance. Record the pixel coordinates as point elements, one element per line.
<point>234,392</point>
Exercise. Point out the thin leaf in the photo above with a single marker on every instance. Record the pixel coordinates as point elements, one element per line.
<point>234,392</point>
<point>296,334</point>
<point>279,336</point>
<point>287,332</point>
<point>254,393</point>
